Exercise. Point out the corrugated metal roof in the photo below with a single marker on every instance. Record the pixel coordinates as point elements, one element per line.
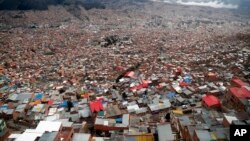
<point>203,135</point>
<point>48,136</point>
<point>165,132</point>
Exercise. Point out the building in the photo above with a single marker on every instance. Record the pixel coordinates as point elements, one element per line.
<point>210,76</point>
<point>211,101</point>
<point>45,130</point>
<point>112,124</point>
<point>81,137</point>
<point>139,137</point>
<point>183,122</point>
<point>202,135</point>
<point>165,132</point>
<point>236,82</point>
<point>4,132</point>
<point>239,97</point>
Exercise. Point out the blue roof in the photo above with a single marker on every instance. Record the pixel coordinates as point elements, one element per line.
<point>38,96</point>
<point>170,95</point>
<point>63,104</point>
<point>4,107</point>
<point>118,120</point>
<point>187,79</point>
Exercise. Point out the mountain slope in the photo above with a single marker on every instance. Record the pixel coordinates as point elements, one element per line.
<point>43,4</point>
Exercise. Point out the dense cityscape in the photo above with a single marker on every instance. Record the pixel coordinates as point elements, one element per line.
<point>126,70</point>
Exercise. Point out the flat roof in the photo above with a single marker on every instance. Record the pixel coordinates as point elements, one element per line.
<point>48,126</point>
<point>165,132</point>
<point>81,137</point>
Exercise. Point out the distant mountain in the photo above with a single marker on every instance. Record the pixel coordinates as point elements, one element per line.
<point>101,4</point>
<point>27,4</point>
<point>43,4</point>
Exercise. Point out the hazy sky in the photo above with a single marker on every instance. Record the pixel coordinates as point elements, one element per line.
<point>232,4</point>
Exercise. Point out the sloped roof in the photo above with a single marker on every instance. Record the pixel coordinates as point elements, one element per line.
<point>239,82</point>
<point>96,106</point>
<point>211,100</point>
<point>242,92</point>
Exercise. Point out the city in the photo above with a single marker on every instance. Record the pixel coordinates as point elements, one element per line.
<point>123,70</point>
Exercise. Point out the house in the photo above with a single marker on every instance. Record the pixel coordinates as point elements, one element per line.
<point>66,133</point>
<point>202,135</point>
<point>221,134</point>
<point>165,104</point>
<point>211,76</point>
<point>138,137</point>
<point>189,133</point>
<point>239,97</point>
<point>216,92</point>
<point>211,101</point>
<point>165,132</point>
<point>108,124</point>
<point>236,82</point>
<point>51,136</point>
<point>81,137</point>
<point>96,106</point>
<point>187,92</point>
<point>4,132</point>
<point>112,111</point>
<point>177,88</point>
<point>232,118</point>
<point>140,86</point>
<point>228,119</point>
<point>44,130</point>
<point>183,121</point>
<point>171,95</point>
